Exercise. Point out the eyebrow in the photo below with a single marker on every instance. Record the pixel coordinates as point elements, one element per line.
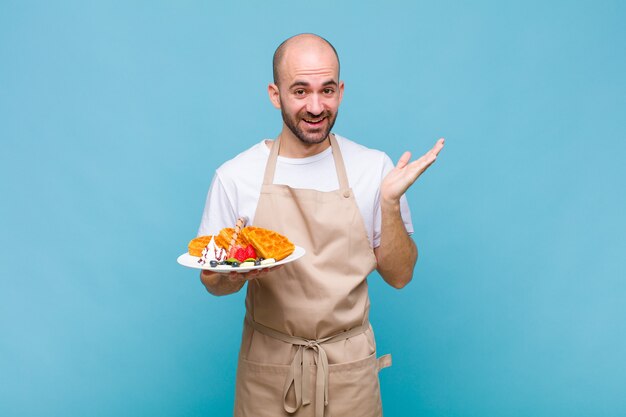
<point>306,84</point>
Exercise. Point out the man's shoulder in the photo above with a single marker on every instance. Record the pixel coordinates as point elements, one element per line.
<point>251,158</point>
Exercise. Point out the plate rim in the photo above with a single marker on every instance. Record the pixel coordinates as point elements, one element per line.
<point>298,252</point>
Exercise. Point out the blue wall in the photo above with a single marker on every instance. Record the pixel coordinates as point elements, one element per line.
<point>113,116</point>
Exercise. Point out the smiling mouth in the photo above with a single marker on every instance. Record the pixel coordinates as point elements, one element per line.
<point>314,121</point>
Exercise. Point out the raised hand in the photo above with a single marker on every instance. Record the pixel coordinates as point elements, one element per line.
<point>399,179</point>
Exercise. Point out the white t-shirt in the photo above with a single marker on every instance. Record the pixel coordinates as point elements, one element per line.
<point>236,186</point>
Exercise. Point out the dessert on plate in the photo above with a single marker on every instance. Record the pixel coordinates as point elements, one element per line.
<point>241,247</point>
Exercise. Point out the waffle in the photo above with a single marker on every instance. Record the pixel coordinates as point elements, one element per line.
<point>198,244</point>
<point>268,243</point>
<point>223,238</point>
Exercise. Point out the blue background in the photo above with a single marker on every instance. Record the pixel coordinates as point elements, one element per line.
<point>114,115</point>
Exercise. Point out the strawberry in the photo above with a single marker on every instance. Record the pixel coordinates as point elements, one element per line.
<point>240,254</point>
<point>250,252</point>
<point>233,251</point>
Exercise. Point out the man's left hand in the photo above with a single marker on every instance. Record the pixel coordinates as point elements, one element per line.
<point>399,179</point>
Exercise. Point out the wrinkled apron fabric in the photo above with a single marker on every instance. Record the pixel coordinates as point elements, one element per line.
<point>307,347</point>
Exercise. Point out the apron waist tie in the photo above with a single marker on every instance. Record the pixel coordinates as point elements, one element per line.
<point>297,375</point>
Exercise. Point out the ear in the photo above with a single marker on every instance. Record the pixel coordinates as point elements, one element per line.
<point>340,90</point>
<point>274,94</point>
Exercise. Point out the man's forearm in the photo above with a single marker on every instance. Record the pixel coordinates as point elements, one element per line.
<point>220,284</point>
<point>397,253</point>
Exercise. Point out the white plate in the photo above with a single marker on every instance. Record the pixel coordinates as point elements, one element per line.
<point>192,262</point>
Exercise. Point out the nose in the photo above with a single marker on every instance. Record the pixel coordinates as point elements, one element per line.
<point>314,104</point>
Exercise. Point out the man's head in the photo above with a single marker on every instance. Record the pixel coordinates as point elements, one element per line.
<point>306,86</point>
<point>280,51</point>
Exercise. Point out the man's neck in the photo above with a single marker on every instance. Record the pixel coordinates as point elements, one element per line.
<point>292,147</point>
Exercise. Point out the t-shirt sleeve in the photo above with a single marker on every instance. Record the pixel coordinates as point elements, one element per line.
<point>405,212</point>
<point>218,209</point>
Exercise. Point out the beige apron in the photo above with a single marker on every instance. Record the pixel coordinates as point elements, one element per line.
<point>307,347</point>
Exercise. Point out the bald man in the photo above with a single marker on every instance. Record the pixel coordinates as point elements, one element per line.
<point>308,348</point>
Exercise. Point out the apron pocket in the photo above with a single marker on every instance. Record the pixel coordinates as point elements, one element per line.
<point>354,389</point>
<point>259,389</point>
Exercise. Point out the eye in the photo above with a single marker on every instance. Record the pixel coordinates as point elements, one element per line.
<point>299,92</point>
<point>329,91</point>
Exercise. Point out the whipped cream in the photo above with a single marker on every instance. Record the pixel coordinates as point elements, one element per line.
<point>212,252</point>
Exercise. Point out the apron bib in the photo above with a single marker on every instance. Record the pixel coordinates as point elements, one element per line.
<point>307,347</point>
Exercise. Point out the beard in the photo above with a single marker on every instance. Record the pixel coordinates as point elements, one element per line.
<point>313,136</point>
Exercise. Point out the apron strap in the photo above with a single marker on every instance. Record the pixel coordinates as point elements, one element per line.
<point>342,177</point>
<point>384,361</point>
<point>298,371</point>
<point>270,167</point>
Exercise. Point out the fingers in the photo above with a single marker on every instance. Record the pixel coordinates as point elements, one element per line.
<point>236,277</point>
<point>250,275</point>
<point>404,159</point>
<point>429,157</point>
<point>253,274</point>
<point>421,164</point>
<point>426,159</point>
<point>259,273</point>
<point>434,152</point>
<point>207,274</point>
<point>230,274</point>
<point>438,146</point>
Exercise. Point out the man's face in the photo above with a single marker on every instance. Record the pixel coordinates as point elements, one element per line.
<point>309,93</point>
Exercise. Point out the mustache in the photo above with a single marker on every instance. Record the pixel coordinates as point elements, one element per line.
<point>325,113</point>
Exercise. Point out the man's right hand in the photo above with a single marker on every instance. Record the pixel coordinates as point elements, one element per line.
<point>224,283</point>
